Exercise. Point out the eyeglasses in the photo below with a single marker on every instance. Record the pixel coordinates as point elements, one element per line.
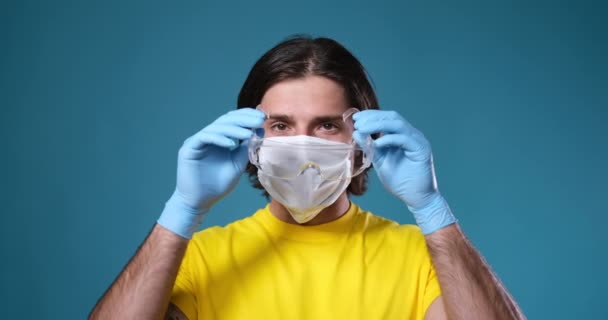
<point>287,157</point>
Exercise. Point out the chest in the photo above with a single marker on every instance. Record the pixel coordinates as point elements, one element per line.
<point>355,278</point>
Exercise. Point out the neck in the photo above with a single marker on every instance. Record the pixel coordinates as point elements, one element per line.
<point>331,213</point>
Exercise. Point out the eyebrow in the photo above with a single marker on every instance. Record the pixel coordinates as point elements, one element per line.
<point>290,119</point>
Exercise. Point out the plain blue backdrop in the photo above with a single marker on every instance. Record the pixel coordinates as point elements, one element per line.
<point>97,97</point>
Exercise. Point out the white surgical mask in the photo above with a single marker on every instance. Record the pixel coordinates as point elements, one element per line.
<point>305,174</point>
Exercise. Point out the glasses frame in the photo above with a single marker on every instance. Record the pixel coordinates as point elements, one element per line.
<point>256,142</point>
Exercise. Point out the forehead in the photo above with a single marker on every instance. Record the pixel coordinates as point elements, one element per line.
<point>305,98</point>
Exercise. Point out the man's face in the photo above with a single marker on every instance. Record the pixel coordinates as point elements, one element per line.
<point>310,106</point>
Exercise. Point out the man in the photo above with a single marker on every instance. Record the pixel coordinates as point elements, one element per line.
<point>311,253</point>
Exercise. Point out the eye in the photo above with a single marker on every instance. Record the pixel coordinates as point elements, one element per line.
<point>279,126</point>
<point>329,126</point>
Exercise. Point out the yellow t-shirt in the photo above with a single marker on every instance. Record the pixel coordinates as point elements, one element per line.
<point>359,266</point>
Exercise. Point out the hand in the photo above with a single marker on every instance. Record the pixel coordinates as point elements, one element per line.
<point>209,165</point>
<point>404,163</point>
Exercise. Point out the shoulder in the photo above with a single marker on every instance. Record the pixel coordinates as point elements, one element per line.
<point>403,234</point>
<point>376,221</point>
<point>217,236</point>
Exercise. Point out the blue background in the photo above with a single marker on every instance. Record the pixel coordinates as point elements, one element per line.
<point>97,97</point>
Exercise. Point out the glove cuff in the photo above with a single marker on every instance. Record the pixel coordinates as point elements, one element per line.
<point>180,218</point>
<point>434,216</point>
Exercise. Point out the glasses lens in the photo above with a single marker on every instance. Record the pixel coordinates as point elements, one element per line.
<point>331,126</point>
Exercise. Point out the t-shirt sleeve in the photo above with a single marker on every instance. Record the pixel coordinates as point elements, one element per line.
<point>184,290</point>
<point>428,283</point>
<point>432,291</point>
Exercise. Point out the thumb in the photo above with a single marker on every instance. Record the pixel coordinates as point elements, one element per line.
<point>360,139</point>
<point>240,156</point>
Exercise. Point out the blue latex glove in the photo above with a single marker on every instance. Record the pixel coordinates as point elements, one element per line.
<point>209,165</point>
<point>404,163</point>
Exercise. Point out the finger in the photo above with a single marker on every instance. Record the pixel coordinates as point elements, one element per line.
<point>384,126</point>
<point>364,114</point>
<point>360,138</point>
<point>202,139</point>
<point>241,157</point>
<point>361,141</point>
<point>243,119</point>
<point>249,111</point>
<point>375,115</point>
<point>414,147</point>
<point>231,126</point>
<point>230,131</point>
<point>367,117</point>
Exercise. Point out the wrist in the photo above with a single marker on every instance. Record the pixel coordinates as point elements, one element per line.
<point>180,218</point>
<point>433,216</point>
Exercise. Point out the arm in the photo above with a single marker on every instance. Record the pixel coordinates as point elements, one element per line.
<point>404,163</point>
<point>469,288</point>
<point>209,165</point>
<point>142,289</point>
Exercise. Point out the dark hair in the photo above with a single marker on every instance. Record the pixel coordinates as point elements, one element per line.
<point>300,56</point>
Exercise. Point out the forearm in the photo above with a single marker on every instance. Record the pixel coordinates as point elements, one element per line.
<point>143,288</point>
<point>470,290</point>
